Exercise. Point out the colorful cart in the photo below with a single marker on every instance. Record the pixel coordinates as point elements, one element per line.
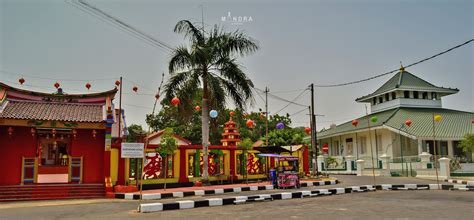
<point>286,172</point>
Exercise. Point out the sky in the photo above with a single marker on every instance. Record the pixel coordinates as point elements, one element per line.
<point>301,42</point>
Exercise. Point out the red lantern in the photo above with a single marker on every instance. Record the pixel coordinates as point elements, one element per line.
<point>355,122</point>
<point>325,148</point>
<point>33,131</point>
<point>135,89</point>
<point>157,96</point>
<point>249,123</point>
<point>74,133</point>
<point>94,134</point>
<point>57,85</point>
<point>307,130</point>
<point>117,83</point>
<point>21,80</point>
<point>88,86</point>
<point>198,108</point>
<point>53,132</point>
<point>231,114</point>
<point>175,101</point>
<point>408,122</point>
<point>472,121</point>
<point>10,131</point>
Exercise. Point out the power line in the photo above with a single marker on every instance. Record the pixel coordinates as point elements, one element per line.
<point>296,98</point>
<point>298,112</point>
<point>393,71</point>
<point>280,98</point>
<point>58,79</point>
<point>121,25</point>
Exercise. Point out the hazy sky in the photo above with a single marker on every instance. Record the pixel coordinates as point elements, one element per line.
<point>323,42</point>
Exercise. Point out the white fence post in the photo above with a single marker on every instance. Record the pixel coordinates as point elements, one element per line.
<point>360,167</point>
<point>320,162</point>
<point>385,165</point>
<point>425,159</point>
<point>349,160</point>
<point>444,171</point>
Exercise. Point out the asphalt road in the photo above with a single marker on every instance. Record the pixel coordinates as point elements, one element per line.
<point>429,204</point>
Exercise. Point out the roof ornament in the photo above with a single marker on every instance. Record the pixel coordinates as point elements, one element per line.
<point>402,68</point>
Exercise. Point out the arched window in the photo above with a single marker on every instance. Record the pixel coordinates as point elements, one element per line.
<point>374,101</point>
<point>387,97</point>
<point>434,95</point>
<point>394,95</point>
<point>380,99</point>
<point>415,94</point>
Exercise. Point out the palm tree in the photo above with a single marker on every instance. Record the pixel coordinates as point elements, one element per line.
<point>210,63</point>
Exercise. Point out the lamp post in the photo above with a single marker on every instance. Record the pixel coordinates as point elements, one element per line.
<point>436,118</point>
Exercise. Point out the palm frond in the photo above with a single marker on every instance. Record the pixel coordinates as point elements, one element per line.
<point>190,31</point>
<point>181,59</point>
<point>175,83</point>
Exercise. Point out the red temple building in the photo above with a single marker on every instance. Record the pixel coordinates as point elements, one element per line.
<point>58,138</point>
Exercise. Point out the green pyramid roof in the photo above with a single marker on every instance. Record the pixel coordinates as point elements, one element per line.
<point>454,124</point>
<point>404,80</point>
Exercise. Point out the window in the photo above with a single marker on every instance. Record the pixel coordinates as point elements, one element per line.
<point>374,101</point>
<point>349,146</point>
<point>387,97</point>
<point>415,94</point>
<point>335,149</point>
<point>425,95</point>
<point>406,94</point>
<point>379,144</point>
<point>363,145</point>
<point>380,99</point>
<point>394,95</point>
<point>434,96</point>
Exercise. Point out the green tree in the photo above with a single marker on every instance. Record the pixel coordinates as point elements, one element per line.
<point>210,62</point>
<point>134,131</point>
<point>467,143</point>
<point>167,147</point>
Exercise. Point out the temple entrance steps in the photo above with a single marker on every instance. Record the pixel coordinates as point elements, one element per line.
<point>51,192</point>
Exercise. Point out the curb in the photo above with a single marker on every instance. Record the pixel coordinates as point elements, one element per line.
<point>465,182</point>
<point>157,207</point>
<point>156,196</point>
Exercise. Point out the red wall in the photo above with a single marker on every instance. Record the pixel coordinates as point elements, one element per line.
<point>92,151</point>
<point>21,144</point>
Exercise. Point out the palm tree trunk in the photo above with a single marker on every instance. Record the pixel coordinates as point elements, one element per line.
<point>205,140</point>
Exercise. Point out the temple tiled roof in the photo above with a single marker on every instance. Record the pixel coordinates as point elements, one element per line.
<point>52,111</point>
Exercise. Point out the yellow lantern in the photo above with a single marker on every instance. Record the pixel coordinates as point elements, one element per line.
<point>437,118</point>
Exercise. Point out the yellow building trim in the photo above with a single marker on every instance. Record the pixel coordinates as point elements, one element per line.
<point>114,161</point>
<point>22,170</point>
<point>127,168</point>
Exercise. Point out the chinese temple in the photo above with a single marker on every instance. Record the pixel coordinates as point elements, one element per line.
<point>58,138</point>
<point>228,163</point>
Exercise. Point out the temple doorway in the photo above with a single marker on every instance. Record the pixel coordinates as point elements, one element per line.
<point>53,154</point>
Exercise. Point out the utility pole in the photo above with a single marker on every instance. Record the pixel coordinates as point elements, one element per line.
<point>313,134</point>
<point>266,115</point>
